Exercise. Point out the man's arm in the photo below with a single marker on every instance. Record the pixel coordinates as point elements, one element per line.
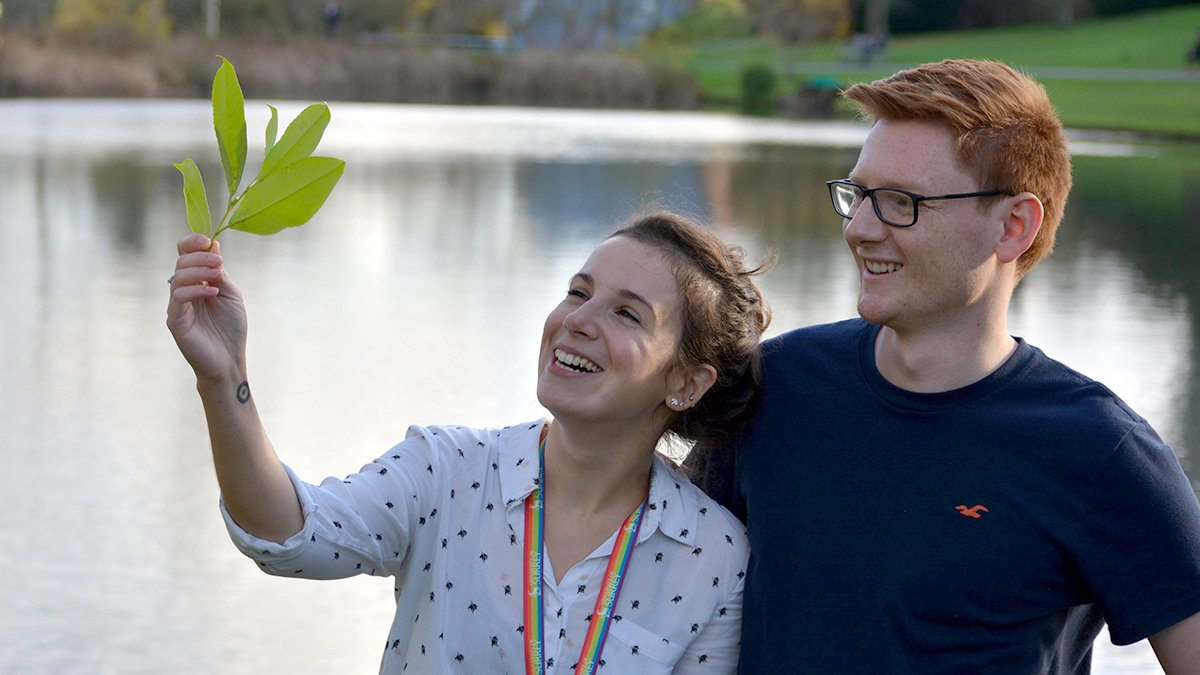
<point>1178,647</point>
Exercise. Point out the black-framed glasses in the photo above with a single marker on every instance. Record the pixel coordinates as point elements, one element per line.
<point>897,208</point>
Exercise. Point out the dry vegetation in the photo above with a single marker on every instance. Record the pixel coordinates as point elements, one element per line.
<point>314,69</point>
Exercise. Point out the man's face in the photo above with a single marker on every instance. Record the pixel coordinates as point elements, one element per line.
<point>934,274</point>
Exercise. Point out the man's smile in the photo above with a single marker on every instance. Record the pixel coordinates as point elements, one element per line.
<point>875,267</point>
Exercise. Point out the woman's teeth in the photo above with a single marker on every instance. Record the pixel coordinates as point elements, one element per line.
<point>575,362</point>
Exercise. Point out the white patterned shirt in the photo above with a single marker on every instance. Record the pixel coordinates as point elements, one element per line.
<point>443,512</point>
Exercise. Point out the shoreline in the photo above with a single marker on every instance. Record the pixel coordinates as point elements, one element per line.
<point>317,69</point>
<point>329,70</point>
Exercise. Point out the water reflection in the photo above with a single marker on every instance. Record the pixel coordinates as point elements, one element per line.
<point>1145,212</point>
<point>417,295</point>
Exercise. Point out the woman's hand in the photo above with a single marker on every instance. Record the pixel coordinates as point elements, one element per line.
<point>206,314</point>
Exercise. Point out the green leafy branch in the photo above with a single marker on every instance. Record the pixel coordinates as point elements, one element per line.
<point>291,186</point>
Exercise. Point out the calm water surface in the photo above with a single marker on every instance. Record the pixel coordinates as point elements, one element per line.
<point>417,296</point>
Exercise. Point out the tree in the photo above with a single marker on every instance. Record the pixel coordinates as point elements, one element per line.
<point>120,23</point>
<point>793,21</point>
<point>710,20</point>
<point>27,14</point>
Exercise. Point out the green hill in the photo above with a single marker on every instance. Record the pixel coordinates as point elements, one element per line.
<point>1124,73</point>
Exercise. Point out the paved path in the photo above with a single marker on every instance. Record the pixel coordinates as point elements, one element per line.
<point>1041,72</point>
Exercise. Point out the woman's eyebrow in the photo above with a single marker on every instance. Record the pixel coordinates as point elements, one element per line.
<point>624,292</point>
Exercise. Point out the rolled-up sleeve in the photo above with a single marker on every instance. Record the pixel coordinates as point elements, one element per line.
<point>361,524</point>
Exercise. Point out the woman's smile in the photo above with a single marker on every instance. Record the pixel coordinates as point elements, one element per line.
<point>573,362</point>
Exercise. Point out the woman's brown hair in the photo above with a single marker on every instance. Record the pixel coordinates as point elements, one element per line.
<point>723,321</point>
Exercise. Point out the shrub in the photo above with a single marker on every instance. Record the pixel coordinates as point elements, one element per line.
<point>758,89</point>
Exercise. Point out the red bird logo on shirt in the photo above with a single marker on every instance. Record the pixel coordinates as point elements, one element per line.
<point>973,512</point>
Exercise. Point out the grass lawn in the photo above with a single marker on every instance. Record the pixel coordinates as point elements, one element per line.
<point>1148,41</point>
<point>1167,108</point>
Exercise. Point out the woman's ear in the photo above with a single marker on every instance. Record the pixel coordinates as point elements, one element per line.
<point>1021,225</point>
<point>688,385</point>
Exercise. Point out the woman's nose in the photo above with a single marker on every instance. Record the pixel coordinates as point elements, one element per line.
<point>582,319</point>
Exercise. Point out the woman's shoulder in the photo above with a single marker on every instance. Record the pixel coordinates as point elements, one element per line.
<point>710,523</point>
<point>442,436</point>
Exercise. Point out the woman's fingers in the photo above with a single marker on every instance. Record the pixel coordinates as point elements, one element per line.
<point>199,274</point>
<point>199,262</point>
<point>187,294</point>
<point>192,283</point>
<point>197,242</point>
<point>188,272</point>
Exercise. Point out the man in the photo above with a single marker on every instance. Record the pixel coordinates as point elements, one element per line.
<point>924,493</point>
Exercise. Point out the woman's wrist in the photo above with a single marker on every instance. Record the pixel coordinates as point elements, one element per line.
<point>232,381</point>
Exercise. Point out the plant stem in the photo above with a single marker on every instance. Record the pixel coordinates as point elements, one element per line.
<point>229,209</point>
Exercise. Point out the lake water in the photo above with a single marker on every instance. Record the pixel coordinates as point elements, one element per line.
<point>417,296</point>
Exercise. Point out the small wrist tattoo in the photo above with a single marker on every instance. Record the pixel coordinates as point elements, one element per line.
<point>243,392</point>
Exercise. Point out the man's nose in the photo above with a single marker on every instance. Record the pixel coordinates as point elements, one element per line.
<point>865,226</point>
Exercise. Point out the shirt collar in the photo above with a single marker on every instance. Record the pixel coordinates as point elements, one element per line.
<point>670,508</point>
<point>518,459</point>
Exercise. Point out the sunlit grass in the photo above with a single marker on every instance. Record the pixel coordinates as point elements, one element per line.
<point>1154,40</point>
<point>1171,108</point>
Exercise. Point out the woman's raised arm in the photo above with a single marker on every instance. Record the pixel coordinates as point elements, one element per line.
<point>207,318</point>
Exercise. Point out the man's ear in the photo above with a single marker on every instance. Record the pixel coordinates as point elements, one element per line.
<point>1021,225</point>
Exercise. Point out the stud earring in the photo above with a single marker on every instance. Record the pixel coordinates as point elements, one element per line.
<point>675,403</point>
<point>691,397</point>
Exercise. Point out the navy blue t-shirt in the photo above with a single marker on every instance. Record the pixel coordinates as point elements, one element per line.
<point>993,528</point>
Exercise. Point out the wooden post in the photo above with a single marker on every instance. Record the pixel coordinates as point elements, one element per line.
<point>212,18</point>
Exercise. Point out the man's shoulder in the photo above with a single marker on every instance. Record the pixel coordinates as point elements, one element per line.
<point>838,333</point>
<point>1043,378</point>
<point>819,342</point>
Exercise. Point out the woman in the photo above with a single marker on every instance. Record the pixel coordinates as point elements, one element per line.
<point>617,560</point>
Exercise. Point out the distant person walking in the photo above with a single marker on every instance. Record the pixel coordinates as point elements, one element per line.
<point>1193,55</point>
<point>333,16</point>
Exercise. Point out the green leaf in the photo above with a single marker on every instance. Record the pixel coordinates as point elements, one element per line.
<point>229,121</point>
<point>290,196</point>
<point>272,127</point>
<point>198,217</point>
<point>299,140</point>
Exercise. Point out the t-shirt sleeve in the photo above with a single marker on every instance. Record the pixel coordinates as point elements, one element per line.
<point>713,470</point>
<point>1141,550</point>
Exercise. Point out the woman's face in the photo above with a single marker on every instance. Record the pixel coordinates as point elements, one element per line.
<point>608,348</point>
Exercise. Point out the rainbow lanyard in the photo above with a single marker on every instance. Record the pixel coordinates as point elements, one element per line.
<point>589,655</point>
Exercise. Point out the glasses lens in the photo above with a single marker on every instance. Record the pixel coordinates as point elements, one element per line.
<point>895,208</point>
<point>846,199</point>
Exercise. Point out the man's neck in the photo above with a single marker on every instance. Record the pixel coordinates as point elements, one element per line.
<point>936,361</point>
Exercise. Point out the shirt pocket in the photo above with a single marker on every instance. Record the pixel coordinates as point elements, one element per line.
<point>643,650</point>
